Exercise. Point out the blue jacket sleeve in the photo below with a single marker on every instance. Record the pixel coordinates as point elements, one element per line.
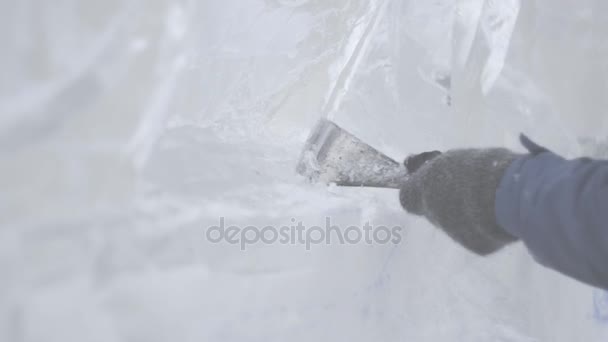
<point>559,209</point>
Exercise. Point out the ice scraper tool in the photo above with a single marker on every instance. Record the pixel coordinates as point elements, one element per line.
<point>333,155</point>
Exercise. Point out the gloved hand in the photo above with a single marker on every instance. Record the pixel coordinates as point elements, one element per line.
<point>456,192</point>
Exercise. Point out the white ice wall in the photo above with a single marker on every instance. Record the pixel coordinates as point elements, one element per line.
<point>127,128</point>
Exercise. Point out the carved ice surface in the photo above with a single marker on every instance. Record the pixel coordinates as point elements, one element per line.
<point>130,127</point>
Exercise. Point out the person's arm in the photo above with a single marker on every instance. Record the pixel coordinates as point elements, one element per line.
<point>559,209</point>
<point>486,199</point>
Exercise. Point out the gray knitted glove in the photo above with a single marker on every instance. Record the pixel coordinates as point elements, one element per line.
<point>456,192</point>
